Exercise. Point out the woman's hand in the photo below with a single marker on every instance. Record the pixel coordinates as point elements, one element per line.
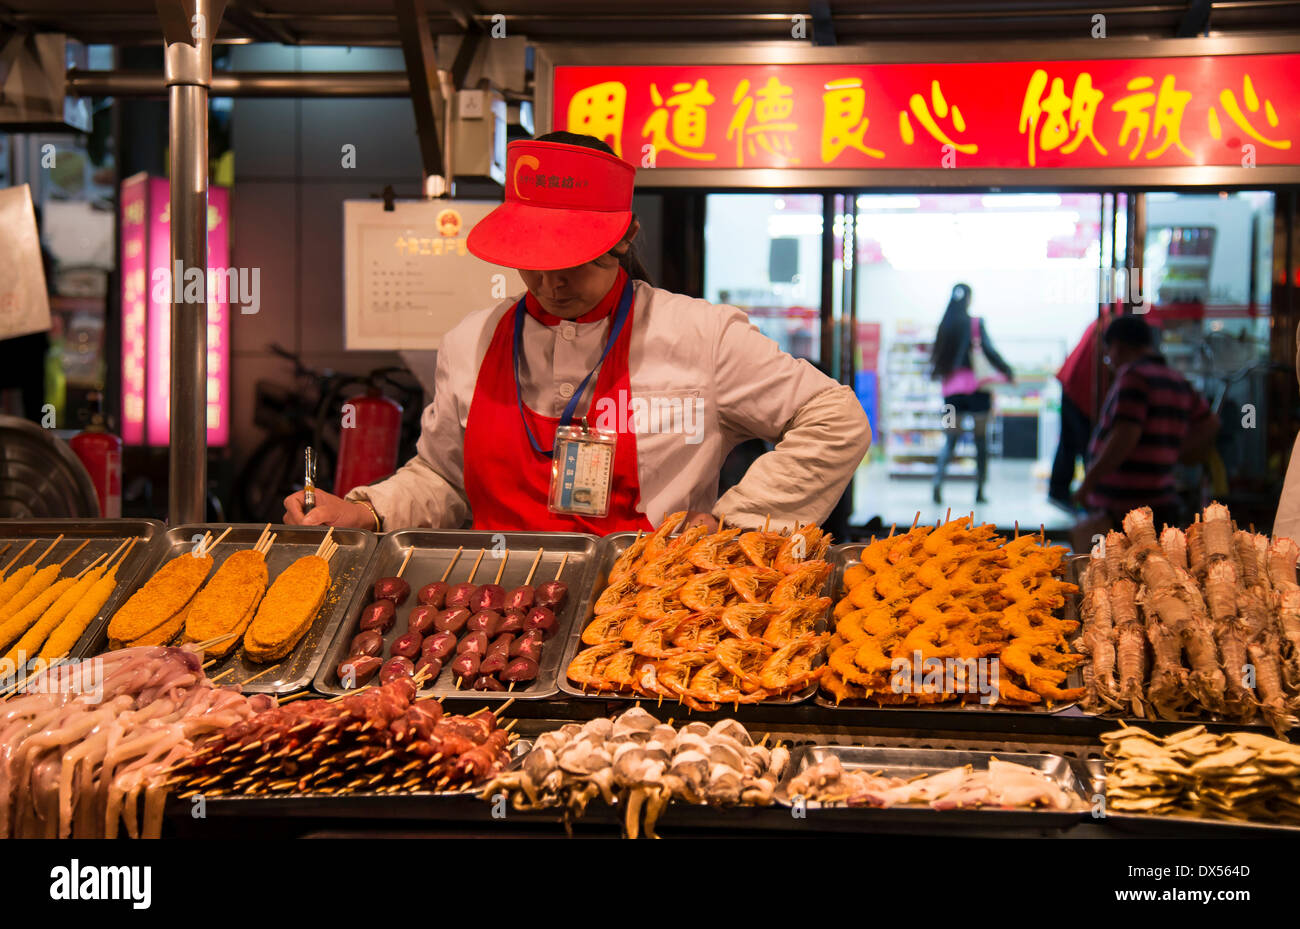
<point>328,511</point>
<point>700,519</point>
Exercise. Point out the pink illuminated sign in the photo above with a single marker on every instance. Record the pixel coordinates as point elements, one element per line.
<point>147,291</point>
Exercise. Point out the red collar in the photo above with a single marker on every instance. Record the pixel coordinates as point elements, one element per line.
<point>599,311</point>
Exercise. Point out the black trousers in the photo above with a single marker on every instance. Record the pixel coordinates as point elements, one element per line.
<point>1076,430</point>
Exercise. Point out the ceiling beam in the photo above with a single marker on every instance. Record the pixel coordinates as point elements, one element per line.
<point>422,73</point>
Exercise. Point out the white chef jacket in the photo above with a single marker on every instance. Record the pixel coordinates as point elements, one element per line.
<point>729,381</point>
<point>1287,521</point>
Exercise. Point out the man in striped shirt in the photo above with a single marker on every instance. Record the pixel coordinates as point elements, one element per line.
<point>1151,419</point>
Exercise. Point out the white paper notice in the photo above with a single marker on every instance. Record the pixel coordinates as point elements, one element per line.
<point>409,277</point>
<point>24,304</point>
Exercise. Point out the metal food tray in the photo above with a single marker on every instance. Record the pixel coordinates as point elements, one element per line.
<point>103,536</point>
<point>1093,773</point>
<point>911,763</point>
<point>432,550</point>
<point>845,556</point>
<point>295,670</point>
<point>611,547</point>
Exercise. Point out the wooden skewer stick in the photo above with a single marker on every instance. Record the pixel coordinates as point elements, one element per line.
<point>216,640</point>
<point>916,519</point>
<point>257,546</point>
<point>298,696</point>
<point>405,561</point>
<point>89,567</point>
<point>324,543</point>
<point>476,712</point>
<point>208,664</point>
<point>501,709</point>
<point>721,520</point>
<point>947,516</point>
<point>1017,535</point>
<point>217,541</point>
<point>126,554</point>
<point>454,558</point>
<point>474,570</point>
<point>113,553</point>
<point>8,545</point>
<point>260,673</point>
<point>560,569</point>
<point>501,570</point>
<point>213,680</point>
<point>766,520</point>
<point>37,562</point>
<point>15,558</point>
<point>536,560</point>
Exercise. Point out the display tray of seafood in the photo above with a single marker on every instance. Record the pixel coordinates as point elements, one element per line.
<point>58,579</point>
<point>639,766</point>
<point>263,604</point>
<point>869,784</point>
<point>952,617</point>
<point>1201,624</point>
<point>1205,782</point>
<point>709,620</point>
<point>463,613</point>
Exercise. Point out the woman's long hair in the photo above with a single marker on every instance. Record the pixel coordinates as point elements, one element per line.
<point>630,259</point>
<point>953,336</point>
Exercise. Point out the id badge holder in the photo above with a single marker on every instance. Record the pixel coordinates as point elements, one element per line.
<point>582,471</point>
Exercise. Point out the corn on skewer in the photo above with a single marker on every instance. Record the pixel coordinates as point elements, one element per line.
<point>49,620</point>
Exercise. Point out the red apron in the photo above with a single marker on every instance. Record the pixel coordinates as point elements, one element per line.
<point>507,481</point>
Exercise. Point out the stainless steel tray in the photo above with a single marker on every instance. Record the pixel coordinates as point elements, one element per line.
<point>103,536</point>
<point>432,550</point>
<point>909,763</point>
<point>845,556</point>
<point>295,670</point>
<point>611,546</point>
<point>1093,773</point>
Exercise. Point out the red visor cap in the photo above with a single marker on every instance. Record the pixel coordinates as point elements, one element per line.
<point>565,205</point>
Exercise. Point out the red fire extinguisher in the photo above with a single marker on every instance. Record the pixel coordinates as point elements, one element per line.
<point>370,433</point>
<point>101,452</point>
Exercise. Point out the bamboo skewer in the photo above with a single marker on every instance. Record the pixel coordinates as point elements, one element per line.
<point>37,562</point>
<point>8,545</point>
<point>560,569</point>
<point>536,560</point>
<point>260,673</point>
<point>15,558</point>
<point>766,521</point>
<point>474,570</point>
<point>501,570</point>
<point>217,541</point>
<point>454,558</point>
<point>216,640</point>
<point>213,680</point>
<point>89,567</point>
<point>501,709</point>
<point>324,543</point>
<point>406,560</point>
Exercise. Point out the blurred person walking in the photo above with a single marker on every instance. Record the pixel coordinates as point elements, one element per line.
<point>961,345</point>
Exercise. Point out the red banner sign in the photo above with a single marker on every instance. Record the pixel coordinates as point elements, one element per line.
<point>1236,110</point>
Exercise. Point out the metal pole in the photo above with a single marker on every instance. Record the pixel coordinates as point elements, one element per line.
<point>331,84</point>
<point>188,27</point>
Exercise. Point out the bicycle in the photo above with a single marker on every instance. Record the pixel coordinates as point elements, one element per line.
<point>309,415</point>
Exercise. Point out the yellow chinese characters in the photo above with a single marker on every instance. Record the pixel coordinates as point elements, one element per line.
<point>598,110</point>
<point>771,106</point>
<point>1046,121</point>
<point>686,127</point>
<point>844,120</point>
<point>929,120</point>
<point>1228,100</point>
<point>1169,106</point>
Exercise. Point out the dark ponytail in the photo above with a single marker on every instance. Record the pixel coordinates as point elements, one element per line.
<point>630,258</point>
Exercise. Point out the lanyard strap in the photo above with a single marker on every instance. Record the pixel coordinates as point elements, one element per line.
<point>620,317</point>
